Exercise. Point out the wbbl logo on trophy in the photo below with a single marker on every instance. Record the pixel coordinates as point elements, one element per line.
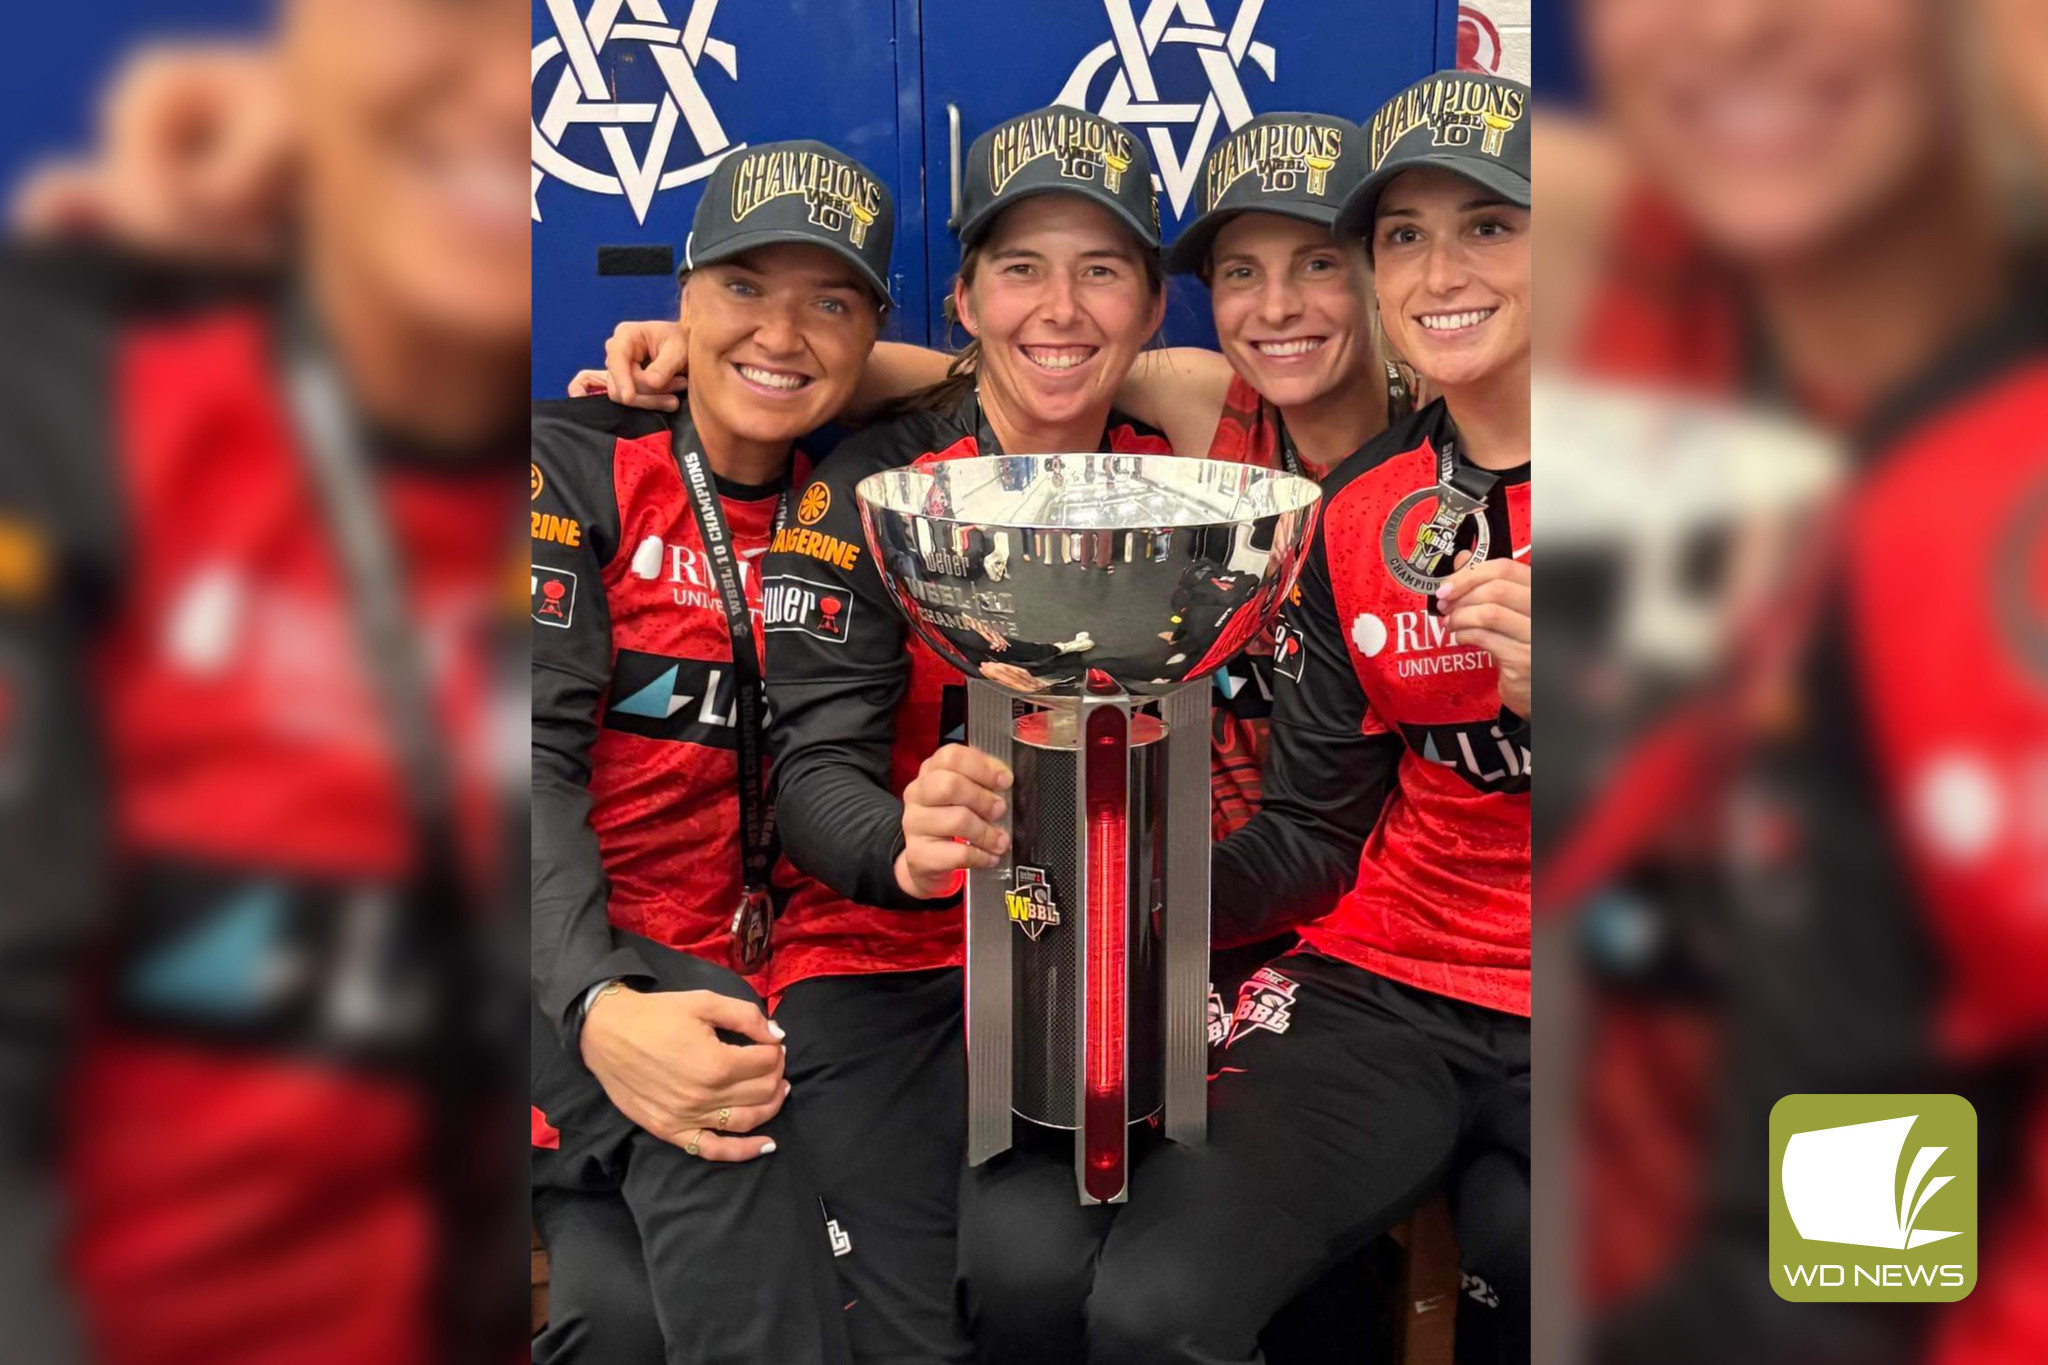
<point>1032,907</point>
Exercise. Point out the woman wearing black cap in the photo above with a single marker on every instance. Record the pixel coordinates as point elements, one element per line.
<point>676,1230</point>
<point>1389,1055</point>
<point>1301,382</point>
<point>1060,286</point>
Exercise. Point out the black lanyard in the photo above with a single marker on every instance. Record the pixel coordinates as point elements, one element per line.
<point>1469,479</point>
<point>1290,458</point>
<point>757,814</point>
<point>1399,406</point>
<point>972,417</point>
<point>1462,490</point>
<point>339,458</point>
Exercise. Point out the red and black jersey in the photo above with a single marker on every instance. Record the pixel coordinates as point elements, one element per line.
<point>635,747</point>
<point>857,704</point>
<point>1394,770</point>
<point>201,795</point>
<point>1241,709</point>
<point>1249,431</point>
<point>242,723</point>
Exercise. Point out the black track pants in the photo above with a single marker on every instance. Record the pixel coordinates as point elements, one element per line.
<point>731,1261</point>
<point>878,1103</point>
<point>1331,1115</point>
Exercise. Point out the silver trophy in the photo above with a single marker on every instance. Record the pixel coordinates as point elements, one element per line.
<point>1088,598</point>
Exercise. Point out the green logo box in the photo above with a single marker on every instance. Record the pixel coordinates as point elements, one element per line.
<point>1873,1198</point>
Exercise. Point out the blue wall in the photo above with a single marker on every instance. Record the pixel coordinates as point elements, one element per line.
<point>58,56</point>
<point>875,78</point>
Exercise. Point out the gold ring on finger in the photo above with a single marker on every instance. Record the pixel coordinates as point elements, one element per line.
<point>691,1145</point>
<point>724,1117</point>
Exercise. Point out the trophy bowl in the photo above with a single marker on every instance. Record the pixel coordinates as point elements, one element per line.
<point>1087,598</point>
<point>1049,575</point>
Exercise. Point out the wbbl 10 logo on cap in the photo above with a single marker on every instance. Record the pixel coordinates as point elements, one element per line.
<point>839,197</point>
<point>1455,110</point>
<point>1082,146</point>
<point>1289,158</point>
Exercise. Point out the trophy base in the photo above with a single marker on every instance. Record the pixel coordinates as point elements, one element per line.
<point>1087,956</point>
<point>1080,985</point>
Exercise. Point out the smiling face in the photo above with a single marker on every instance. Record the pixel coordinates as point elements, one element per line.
<point>778,339</point>
<point>1293,306</point>
<point>1775,126</point>
<point>412,124</point>
<point>1061,300</point>
<point>1451,263</point>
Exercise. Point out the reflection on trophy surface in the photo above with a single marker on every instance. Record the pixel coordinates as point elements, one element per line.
<point>1087,598</point>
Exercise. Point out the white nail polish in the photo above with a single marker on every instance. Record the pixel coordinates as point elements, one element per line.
<point>776,1029</point>
<point>768,1146</point>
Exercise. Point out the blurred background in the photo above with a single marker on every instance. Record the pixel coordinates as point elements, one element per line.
<point>1793,831</point>
<point>263,357</point>
<point>1794,837</point>
<point>49,107</point>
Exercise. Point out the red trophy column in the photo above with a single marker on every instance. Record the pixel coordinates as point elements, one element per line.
<point>1108,922</point>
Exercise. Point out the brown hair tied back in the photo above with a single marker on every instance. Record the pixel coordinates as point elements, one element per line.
<point>961,373</point>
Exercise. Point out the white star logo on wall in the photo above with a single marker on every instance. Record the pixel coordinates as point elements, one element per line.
<point>1133,97</point>
<point>582,95</point>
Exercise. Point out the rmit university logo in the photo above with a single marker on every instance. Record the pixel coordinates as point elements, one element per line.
<point>1174,67</point>
<point>1873,1198</point>
<point>687,571</point>
<point>1031,904</point>
<point>589,78</point>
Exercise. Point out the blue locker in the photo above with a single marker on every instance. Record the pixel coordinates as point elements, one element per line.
<point>632,100</point>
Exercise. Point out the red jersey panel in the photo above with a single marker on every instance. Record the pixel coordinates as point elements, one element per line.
<point>635,703</point>
<point>241,721</point>
<point>1442,896</point>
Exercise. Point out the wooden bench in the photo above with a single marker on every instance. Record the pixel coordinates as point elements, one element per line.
<point>1426,1321</point>
<point>539,1282</point>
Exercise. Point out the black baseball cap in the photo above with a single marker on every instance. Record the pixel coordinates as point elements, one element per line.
<point>1298,165</point>
<point>1057,150</point>
<point>801,193</point>
<point>1464,122</point>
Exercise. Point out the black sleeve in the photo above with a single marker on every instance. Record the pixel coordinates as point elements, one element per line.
<point>832,696</point>
<point>61,523</point>
<point>1325,781</point>
<point>572,947</point>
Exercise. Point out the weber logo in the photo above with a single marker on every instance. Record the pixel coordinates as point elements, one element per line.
<point>1289,657</point>
<point>789,603</point>
<point>554,597</point>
